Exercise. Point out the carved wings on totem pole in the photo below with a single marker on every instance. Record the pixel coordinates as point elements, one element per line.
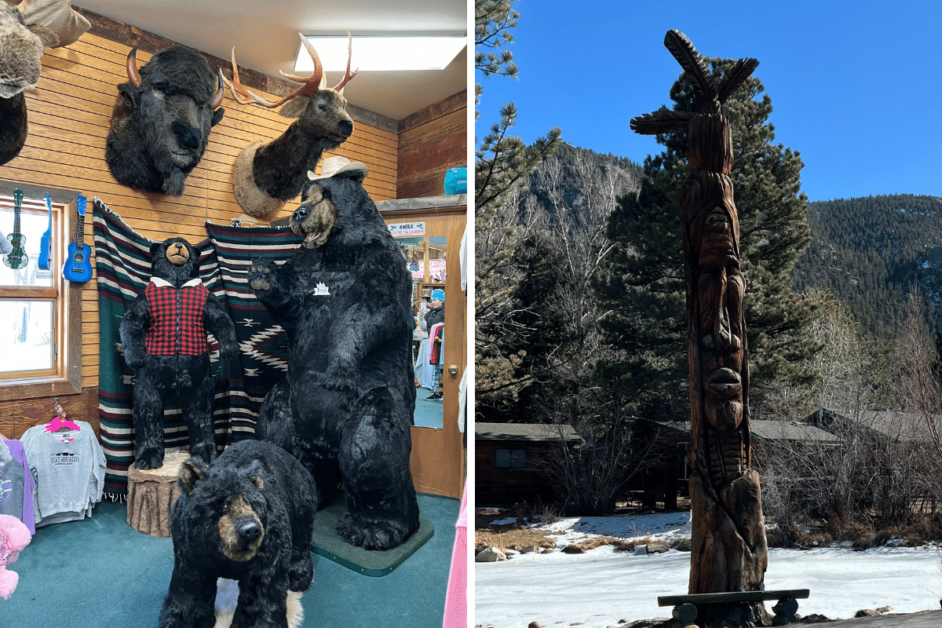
<point>708,98</point>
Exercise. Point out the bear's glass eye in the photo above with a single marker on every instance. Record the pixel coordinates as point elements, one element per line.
<point>226,507</point>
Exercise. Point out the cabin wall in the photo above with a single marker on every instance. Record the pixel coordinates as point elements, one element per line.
<point>431,141</point>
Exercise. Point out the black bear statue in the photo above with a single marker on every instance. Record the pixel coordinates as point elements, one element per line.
<point>345,407</point>
<point>249,517</point>
<point>164,338</point>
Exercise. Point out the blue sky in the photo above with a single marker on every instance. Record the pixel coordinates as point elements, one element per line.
<point>856,87</point>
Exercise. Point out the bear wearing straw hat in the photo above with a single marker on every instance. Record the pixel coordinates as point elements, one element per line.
<point>345,407</point>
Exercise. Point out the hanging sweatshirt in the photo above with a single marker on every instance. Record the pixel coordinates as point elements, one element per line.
<point>16,483</point>
<point>70,472</point>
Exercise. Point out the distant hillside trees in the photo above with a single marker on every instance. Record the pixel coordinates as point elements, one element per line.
<point>870,251</point>
<point>643,279</point>
<point>560,223</point>
<point>502,164</point>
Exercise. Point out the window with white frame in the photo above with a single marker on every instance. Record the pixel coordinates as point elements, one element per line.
<point>36,303</point>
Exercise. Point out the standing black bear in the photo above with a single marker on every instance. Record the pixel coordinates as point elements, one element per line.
<point>164,337</point>
<point>248,516</point>
<point>349,395</point>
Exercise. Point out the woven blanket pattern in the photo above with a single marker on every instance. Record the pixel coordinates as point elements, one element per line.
<point>124,269</point>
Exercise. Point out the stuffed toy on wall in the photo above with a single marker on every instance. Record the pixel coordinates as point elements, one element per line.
<point>24,31</point>
<point>14,536</point>
<point>347,402</point>
<point>164,338</point>
<point>249,517</point>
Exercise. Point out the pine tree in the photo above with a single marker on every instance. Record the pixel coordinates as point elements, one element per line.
<point>644,279</point>
<point>502,164</point>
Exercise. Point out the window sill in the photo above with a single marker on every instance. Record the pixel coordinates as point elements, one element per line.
<point>33,387</point>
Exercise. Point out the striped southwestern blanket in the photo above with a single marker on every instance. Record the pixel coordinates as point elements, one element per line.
<point>124,269</point>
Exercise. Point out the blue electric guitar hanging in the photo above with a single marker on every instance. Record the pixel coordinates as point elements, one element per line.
<point>17,258</point>
<point>78,265</point>
<point>45,242</point>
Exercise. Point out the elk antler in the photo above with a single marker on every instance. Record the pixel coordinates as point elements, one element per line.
<point>347,75</point>
<point>133,74</point>
<point>309,85</point>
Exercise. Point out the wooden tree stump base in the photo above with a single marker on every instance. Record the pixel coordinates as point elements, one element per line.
<point>152,493</point>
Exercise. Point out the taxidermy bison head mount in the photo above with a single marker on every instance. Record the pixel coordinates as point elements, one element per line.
<point>24,31</point>
<point>267,175</point>
<point>161,120</point>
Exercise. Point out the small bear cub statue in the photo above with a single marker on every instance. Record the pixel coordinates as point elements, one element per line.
<point>249,517</point>
<point>164,338</point>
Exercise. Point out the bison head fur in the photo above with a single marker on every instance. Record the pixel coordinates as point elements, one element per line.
<point>161,121</point>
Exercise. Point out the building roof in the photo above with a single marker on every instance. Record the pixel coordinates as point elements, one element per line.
<point>772,431</point>
<point>905,426</point>
<point>533,432</point>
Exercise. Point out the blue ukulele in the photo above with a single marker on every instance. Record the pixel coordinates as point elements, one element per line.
<point>16,258</point>
<point>45,241</point>
<point>78,265</point>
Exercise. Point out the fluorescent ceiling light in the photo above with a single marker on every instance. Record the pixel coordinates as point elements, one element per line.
<point>380,54</point>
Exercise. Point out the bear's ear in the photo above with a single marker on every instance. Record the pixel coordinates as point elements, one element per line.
<point>155,248</point>
<point>191,471</point>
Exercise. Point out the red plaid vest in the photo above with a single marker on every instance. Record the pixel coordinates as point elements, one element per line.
<point>176,320</point>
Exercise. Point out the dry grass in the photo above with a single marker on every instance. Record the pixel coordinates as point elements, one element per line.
<point>599,541</point>
<point>515,539</point>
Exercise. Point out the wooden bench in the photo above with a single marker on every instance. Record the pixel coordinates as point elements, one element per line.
<point>685,606</point>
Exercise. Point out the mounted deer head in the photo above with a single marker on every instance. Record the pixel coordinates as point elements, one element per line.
<point>267,175</point>
<point>24,31</point>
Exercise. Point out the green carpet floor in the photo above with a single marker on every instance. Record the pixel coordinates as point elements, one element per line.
<point>101,573</point>
<point>428,413</point>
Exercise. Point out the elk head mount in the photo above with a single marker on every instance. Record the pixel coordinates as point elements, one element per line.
<point>161,120</point>
<point>265,176</point>
<point>24,31</point>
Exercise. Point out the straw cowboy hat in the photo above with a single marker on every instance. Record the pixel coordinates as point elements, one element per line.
<point>337,165</point>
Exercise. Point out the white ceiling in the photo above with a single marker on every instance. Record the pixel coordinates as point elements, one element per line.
<point>265,33</point>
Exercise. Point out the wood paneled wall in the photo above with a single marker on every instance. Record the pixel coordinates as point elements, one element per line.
<point>431,141</point>
<point>69,116</point>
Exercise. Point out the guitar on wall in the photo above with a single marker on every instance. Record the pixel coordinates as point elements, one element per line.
<point>17,258</point>
<point>78,265</point>
<point>46,240</point>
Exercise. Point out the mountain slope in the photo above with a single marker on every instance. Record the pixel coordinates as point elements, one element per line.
<point>870,251</point>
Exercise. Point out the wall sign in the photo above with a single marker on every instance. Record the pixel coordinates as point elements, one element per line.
<point>403,229</point>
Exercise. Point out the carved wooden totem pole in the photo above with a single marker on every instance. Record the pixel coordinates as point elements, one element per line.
<point>729,551</point>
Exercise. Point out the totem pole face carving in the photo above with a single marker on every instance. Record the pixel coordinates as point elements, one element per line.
<point>721,288</point>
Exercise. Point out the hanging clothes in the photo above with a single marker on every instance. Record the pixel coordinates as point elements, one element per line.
<point>17,485</point>
<point>69,468</point>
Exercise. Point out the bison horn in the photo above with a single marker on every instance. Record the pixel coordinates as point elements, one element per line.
<point>220,91</point>
<point>133,74</point>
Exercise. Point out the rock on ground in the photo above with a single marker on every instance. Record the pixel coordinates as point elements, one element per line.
<point>490,555</point>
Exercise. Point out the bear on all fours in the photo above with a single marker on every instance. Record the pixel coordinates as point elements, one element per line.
<point>346,405</point>
<point>249,517</point>
<point>164,338</point>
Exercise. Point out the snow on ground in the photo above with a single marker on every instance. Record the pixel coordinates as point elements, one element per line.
<point>604,586</point>
<point>663,526</point>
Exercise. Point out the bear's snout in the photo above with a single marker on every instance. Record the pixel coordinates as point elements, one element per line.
<point>240,530</point>
<point>249,530</point>
<point>301,213</point>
